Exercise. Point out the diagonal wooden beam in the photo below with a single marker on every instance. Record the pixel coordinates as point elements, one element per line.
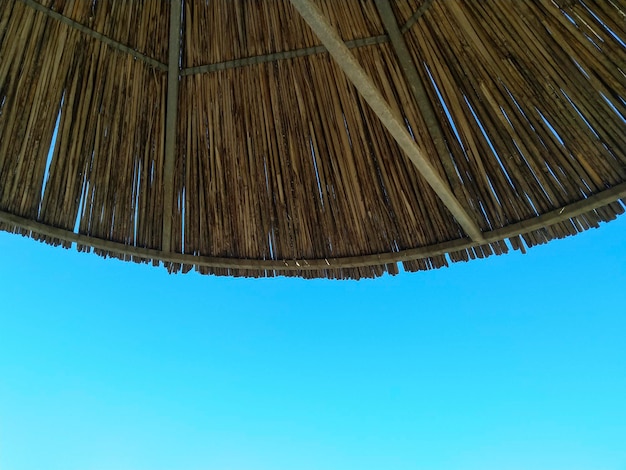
<point>366,87</point>
<point>416,16</point>
<point>94,34</point>
<point>171,122</point>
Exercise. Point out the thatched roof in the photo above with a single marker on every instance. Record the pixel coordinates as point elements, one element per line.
<point>255,138</point>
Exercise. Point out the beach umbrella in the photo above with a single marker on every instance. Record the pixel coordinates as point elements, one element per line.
<point>312,138</point>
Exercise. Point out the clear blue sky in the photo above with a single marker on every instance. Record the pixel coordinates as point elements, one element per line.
<point>514,362</point>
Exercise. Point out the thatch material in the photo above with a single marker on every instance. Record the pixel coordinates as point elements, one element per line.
<point>281,167</point>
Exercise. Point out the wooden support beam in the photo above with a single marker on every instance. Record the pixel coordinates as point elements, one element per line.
<point>94,34</point>
<point>171,122</point>
<point>366,87</point>
<point>303,52</point>
<point>416,86</point>
<point>276,56</point>
<point>570,211</point>
<point>417,15</point>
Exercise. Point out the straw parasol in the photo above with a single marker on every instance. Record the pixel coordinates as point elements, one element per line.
<point>315,138</point>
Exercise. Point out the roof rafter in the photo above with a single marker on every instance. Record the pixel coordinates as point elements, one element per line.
<point>229,64</point>
<point>416,86</point>
<point>171,118</point>
<point>94,34</point>
<point>305,51</point>
<point>416,16</point>
<point>366,87</point>
<point>261,59</point>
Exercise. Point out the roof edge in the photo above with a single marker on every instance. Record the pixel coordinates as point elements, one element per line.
<point>596,201</point>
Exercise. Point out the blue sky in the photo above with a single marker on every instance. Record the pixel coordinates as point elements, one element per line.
<point>514,362</point>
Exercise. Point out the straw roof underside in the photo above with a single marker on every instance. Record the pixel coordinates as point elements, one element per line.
<point>280,165</point>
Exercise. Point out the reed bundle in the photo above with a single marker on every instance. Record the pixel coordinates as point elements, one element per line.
<point>280,165</point>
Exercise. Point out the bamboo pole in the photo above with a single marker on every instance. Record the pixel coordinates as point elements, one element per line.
<point>336,47</point>
<point>171,121</point>
<point>595,202</point>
